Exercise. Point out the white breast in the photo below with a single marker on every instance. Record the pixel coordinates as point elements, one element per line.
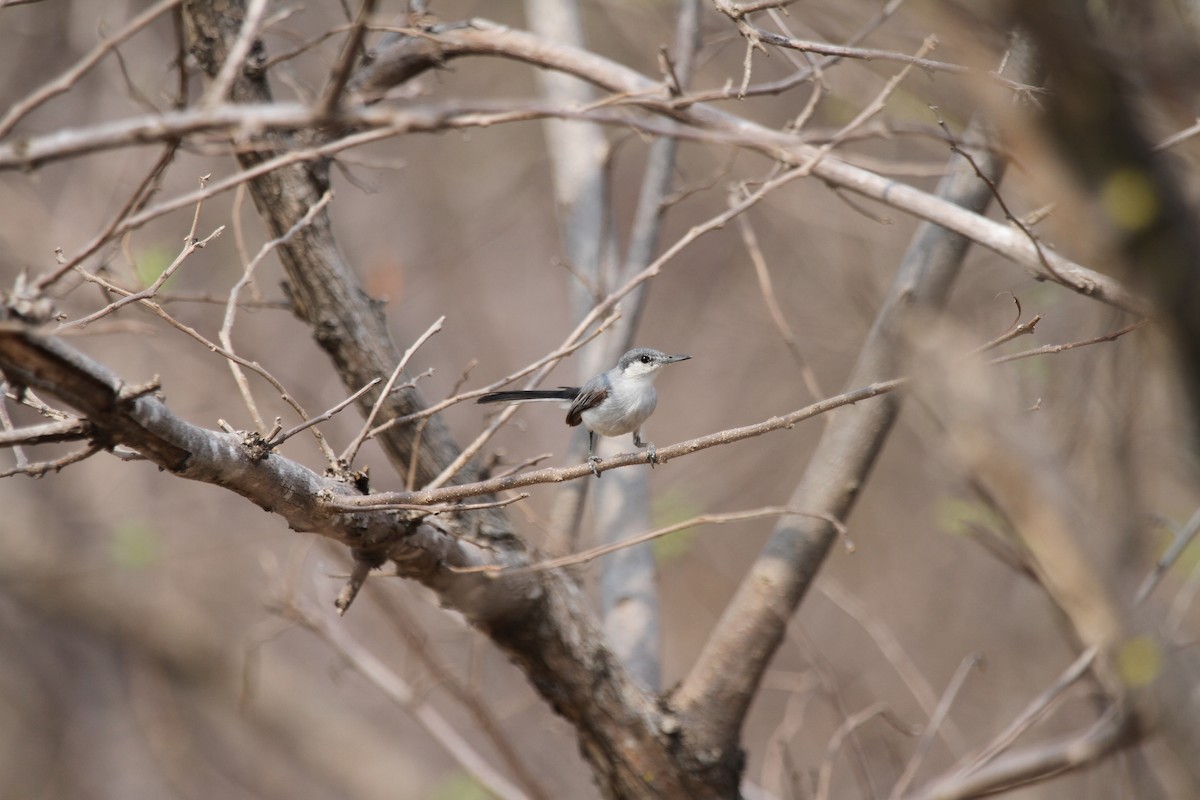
<point>623,411</point>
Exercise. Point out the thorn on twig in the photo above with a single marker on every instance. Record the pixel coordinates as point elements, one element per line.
<point>364,562</point>
<point>131,392</point>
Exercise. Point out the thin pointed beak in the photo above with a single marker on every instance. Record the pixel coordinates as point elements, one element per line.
<point>672,359</point>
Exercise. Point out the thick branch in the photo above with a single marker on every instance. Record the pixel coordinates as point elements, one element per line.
<point>411,55</point>
<point>717,693</point>
<point>326,293</point>
<point>540,619</point>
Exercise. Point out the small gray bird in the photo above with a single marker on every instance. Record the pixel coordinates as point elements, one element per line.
<point>611,404</point>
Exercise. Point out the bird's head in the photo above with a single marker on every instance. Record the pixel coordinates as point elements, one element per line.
<point>644,362</point>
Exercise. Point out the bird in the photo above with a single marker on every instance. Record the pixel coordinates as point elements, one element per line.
<point>612,403</point>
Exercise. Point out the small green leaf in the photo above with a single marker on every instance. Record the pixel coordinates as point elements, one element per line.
<point>671,507</point>
<point>460,786</point>
<point>959,517</point>
<point>150,263</point>
<point>1139,661</point>
<point>134,545</point>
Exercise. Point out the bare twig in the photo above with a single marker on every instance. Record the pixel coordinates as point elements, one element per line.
<point>69,78</point>
<point>231,304</point>
<point>191,245</point>
<point>278,439</point>
<point>943,708</point>
<point>767,289</point>
<point>398,691</point>
<point>140,196</point>
<point>873,54</point>
<point>702,519</point>
<point>1036,762</point>
<point>451,508</point>
<point>408,627</point>
<point>1036,710</point>
<point>331,95</point>
<point>713,126</point>
<point>218,90</point>
<point>891,648</point>
<point>207,343</point>
<point>1060,348</point>
<point>1181,541</point>
<point>351,451</point>
<point>844,731</point>
<point>67,430</point>
<point>556,475</point>
<point>38,469</point>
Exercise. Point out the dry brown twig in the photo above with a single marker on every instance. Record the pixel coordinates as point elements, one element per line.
<point>275,438</point>
<point>66,81</point>
<point>409,628</point>
<point>210,345</point>
<point>1037,709</point>
<point>219,88</point>
<point>400,692</point>
<point>347,456</point>
<point>969,663</point>
<point>38,469</point>
<point>766,288</point>
<point>331,95</point>
<point>845,731</point>
<point>894,652</point>
<point>701,519</point>
<point>787,421</point>
<point>191,245</point>
<point>231,305</point>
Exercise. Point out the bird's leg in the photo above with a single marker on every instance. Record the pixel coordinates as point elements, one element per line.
<point>651,455</point>
<point>593,459</point>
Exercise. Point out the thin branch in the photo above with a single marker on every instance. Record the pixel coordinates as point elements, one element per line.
<point>331,95</point>
<point>398,691</point>
<point>351,451</point>
<point>943,709</point>
<point>67,430</point>
<point>873,54</point>
<point>279,439</point>
<point>37,470</point>
<point>137,200</point>
<point>845,731</point>
<point>9,437</point>
<point>664,454</point>
<point>1051,349</point>
<point>212,346</point>
<point>767,289</point>
<point>1037,762</point>
<point>246,119</point>
<point>218,90</point>
<point>1034,711</point>
<point>68,79</point>
<point>231,306</point>
<point>191,245</point>
<point>451,508</point>
<point>408,627</point>
<point>603,550</point>
<point>889,645</point>
<point>1181,541</point>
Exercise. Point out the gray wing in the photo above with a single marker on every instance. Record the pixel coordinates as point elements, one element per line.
<point>591,394</point>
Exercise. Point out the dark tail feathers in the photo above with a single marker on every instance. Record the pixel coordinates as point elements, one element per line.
<point>561,393</point>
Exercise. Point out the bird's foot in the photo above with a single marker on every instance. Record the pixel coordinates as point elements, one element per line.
<point>592,462</point>
<point>651,454</point>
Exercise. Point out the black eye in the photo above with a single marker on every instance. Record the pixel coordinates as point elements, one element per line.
<point>646,359</point>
